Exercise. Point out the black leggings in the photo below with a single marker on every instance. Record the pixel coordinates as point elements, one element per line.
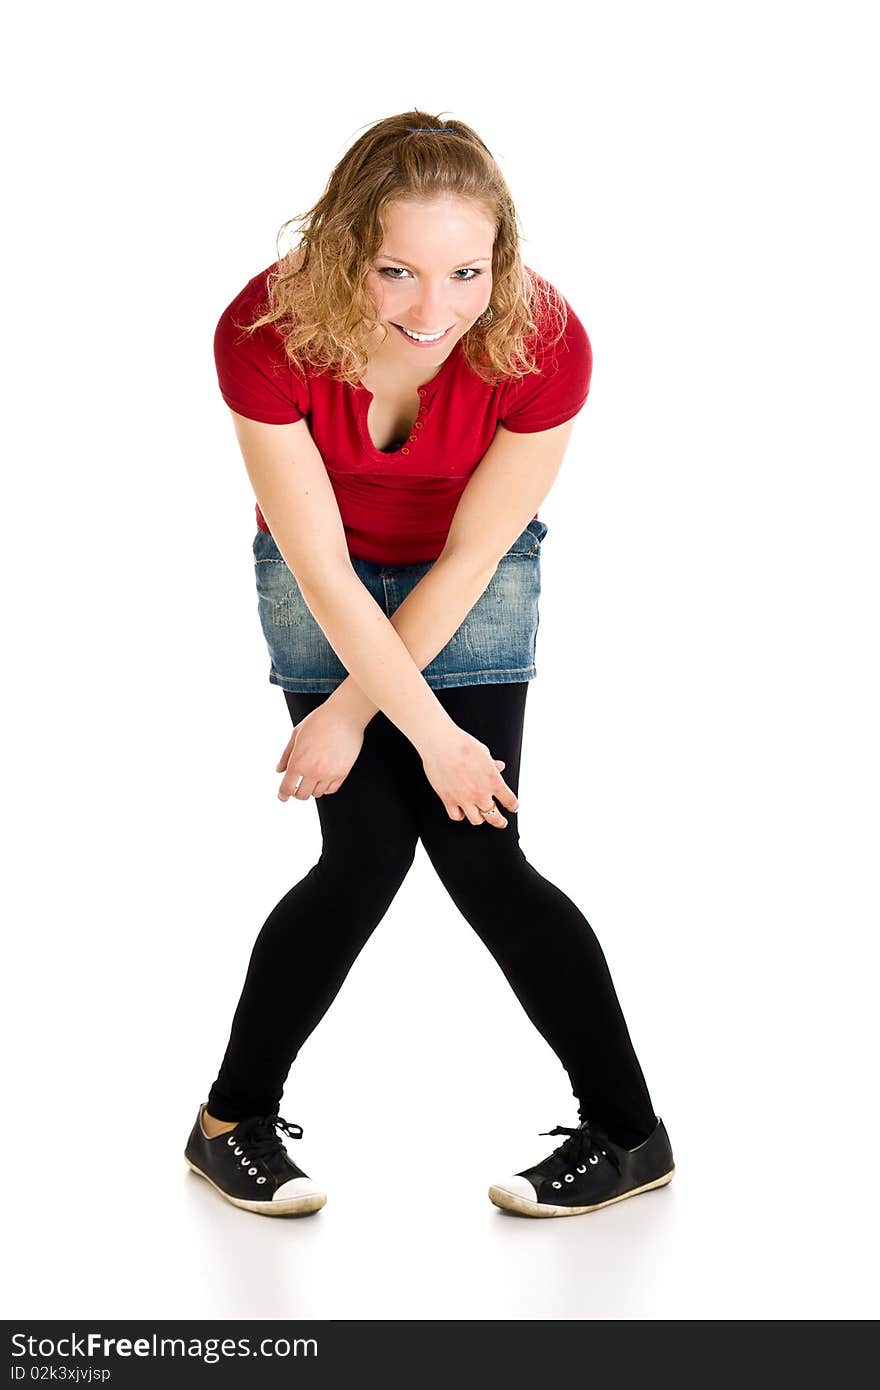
<point>539,938</point>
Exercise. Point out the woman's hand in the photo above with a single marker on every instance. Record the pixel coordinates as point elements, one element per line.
<point>466,777</point>
<point>322,750</point>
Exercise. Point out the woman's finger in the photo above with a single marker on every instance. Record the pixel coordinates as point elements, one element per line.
<point>281,765</point>
<point>496,821</point>
<point>288,786</point>
<point>305,789</point>
<point>504,794</point>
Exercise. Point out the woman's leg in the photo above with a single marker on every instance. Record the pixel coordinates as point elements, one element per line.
<point>542,942</point>
<point>311,939</point>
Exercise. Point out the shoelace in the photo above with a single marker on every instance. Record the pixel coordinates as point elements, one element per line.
<point>581,1145</point>
<point>259,1135</point>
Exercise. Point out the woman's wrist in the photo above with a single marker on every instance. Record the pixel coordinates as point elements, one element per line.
<point>350,700</point>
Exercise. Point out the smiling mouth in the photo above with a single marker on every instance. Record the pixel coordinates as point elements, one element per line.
<point>423,337</point>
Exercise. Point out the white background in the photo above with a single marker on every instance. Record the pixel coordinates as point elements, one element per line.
<point>701,753</point>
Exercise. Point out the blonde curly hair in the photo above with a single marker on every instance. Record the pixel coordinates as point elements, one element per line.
<point>317,293</point>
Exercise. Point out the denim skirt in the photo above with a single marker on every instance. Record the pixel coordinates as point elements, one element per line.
<point>495,644</point>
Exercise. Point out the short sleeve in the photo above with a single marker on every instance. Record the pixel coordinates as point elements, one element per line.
<point>538,402</point>
<point>255,375</point>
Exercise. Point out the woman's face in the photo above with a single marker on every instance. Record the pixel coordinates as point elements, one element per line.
<point>433,275</point>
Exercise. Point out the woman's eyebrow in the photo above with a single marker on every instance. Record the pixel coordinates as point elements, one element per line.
<point>398,260</point>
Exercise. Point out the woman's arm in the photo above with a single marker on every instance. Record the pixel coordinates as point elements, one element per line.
<point>291,485</point>
<point>425,621</point>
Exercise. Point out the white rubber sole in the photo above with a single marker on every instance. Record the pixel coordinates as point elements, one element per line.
<point>511,1201</point>
<point>293,1206</point>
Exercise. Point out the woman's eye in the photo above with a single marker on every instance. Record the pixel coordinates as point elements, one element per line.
<point>390,272</point>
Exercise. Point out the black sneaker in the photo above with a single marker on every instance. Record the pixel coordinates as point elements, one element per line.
<point>587,1171</point>
<point>250,1166</point>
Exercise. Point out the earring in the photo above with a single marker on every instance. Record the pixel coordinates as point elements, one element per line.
<point>485,319</point>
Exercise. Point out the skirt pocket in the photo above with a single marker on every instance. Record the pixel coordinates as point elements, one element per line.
<point>300,656</point>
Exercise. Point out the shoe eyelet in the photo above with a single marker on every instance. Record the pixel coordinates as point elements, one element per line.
<point>594,1158</point>
<point>582,1167</point>
<point>261,1179</point>
<point>238,1151</point>
<point>230,1141</point>
<point>251,1172</point>
<point>557,1184</point>
<point>245,1162</point>
<point>569,1177</point>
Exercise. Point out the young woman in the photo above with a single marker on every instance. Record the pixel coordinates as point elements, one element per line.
<point>403,389</point>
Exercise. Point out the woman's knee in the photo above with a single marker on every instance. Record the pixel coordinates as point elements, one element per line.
<point>472,856</point>
<point>369,858</point>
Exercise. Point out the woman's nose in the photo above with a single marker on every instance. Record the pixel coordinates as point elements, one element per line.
<point>429,312</point>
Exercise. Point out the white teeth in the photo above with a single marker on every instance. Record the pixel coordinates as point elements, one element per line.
<point>421,337</point>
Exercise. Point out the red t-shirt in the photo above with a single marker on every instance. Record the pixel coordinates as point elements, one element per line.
<point>396,506</point>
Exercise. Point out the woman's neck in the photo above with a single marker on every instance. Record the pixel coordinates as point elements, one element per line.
<point>387,374</point>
